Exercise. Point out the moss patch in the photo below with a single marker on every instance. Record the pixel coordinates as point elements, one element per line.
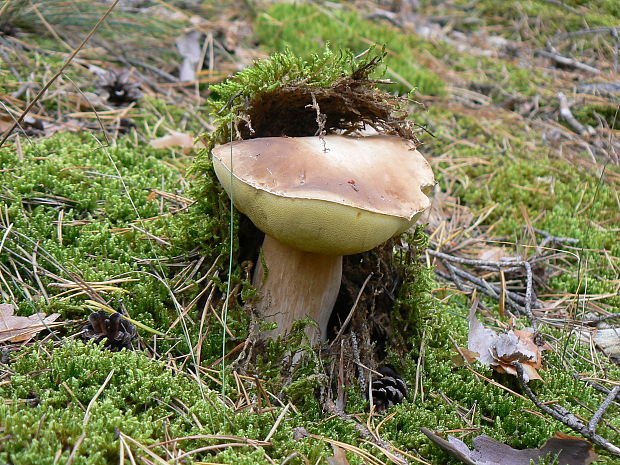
<point>303,29</point>
<point>291,96</point>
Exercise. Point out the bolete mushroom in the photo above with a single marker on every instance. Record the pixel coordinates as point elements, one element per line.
<point>317,199</point>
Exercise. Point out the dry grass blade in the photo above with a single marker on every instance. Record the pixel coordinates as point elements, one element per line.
<point>58,73</point>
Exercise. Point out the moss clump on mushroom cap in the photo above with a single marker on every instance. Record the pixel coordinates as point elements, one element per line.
<point>286,95</point>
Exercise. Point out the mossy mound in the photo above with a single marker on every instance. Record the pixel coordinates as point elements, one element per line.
<point>286,95</point>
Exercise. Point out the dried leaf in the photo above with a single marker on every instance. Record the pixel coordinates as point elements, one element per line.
<point>501,351</point>
<point>608,340</point>
<point>494,254</point>
<point>339,458</point>
<point>176,139</point>
<point>21,328</point>
<point>480,339</point>
<point>487,451</point>
<point>189,48</point>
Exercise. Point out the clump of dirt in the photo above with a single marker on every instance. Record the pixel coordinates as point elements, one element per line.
<point>370,285</point>
<point>326,93</point>
<point>348,105</point>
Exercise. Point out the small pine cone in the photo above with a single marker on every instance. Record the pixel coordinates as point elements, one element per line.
<point>388,390</point>
<point>118,332</point>
<point>8,29</point>
<point>120,88</point>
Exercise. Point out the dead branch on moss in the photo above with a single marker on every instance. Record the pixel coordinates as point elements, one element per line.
<point>521,304</point>
<point>567,115</point>
<point>385,447</point>
<point>600,319</point>
<point>595,385</point>
<point>565,61</point>
<point>530,271</point>
<point>559,413</point>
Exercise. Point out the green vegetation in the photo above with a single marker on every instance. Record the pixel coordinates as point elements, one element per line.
<point>84,207</point>
<point>237,98</point>
<point>542,19</point>
<point>304,29</point>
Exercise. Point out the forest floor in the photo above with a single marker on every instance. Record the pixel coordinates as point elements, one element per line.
<point>517,104</point>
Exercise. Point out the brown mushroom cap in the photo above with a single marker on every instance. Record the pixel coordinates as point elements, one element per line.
<point>335,195</point>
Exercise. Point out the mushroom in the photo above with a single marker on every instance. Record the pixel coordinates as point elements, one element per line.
<point>317,199</point>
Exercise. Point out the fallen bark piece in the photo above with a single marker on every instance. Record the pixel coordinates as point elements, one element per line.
<point>22,328</point>
<point>501,351</point>
<point>487,451</point>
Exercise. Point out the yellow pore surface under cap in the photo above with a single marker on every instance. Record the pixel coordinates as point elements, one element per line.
<point>325,226</point>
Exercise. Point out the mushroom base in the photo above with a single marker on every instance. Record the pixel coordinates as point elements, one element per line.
<point>296,285</point>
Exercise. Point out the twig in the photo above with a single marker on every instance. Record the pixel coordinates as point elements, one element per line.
<point>493,290</point>
<point>528,295</point>
<point>559,413</point>
<point>484,287</point>
<point>567,115</point>
<point>363,431</point>
<point>469,261</point>
<point>583,32</point>
<point>596,418</point>
<point>594,385</point>
<point>597,320</point>
<point>565,61</point>
<point>547,238</point>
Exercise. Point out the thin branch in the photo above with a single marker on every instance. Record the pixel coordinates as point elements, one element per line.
<point>559,413</point>
<point>583,32</point>
<point>565,61</point>
<point>596,418</point>
<point>595,321</point>
<point>567,116</point>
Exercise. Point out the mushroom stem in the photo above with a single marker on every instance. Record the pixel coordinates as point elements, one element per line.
<point>296,285</point>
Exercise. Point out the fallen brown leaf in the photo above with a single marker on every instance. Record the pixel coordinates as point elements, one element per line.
<point>501,351</point>
<point>339,458</point>
<point>494,254</point>
<point>176,139</point>
<point>487,451</point>
<point>22,328</point>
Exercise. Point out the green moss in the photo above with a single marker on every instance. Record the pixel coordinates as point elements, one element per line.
<point>304,29</point>
<point>234,98</point>
<point>548,19</point>
<point>143,398</point>
<point>595,115</point>
<point>99,193</point>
